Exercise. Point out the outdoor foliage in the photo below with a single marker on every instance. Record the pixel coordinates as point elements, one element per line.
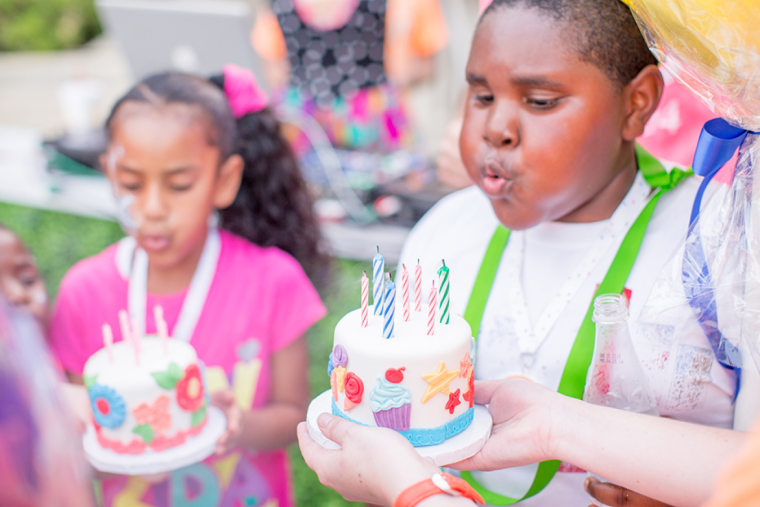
<point>37,25</point>
<point>59,240</point>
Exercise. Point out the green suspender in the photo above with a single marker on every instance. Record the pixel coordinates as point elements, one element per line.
<point>573,378</point>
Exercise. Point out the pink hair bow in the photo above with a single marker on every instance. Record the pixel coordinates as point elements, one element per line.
<point>243,91</point>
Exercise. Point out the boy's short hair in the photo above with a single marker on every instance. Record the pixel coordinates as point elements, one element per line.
<point>602,33</point>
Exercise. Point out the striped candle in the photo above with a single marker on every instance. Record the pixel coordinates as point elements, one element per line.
<point>418,287</point>
<point>443,291</point>
<point>378,264</point>
<point>431,311</point>
<point>405,293</point>
<point>365,299</point>
<point>389,308</point>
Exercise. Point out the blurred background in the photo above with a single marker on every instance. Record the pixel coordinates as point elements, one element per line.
<point>64,62</point>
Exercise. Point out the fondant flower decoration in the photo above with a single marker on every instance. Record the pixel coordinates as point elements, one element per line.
<point>156,414</point>
<point>354,387</point>
<point>339,356</point>
<point>330,365</point>
<point>108,406</point>
<point>190,389</point>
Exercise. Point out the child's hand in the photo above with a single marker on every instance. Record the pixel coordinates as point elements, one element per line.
<point>75,397</point>
<point>225,400</point>
<point>373,464</point>
<point>617,496</point>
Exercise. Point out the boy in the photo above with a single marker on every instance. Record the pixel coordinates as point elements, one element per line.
<point>558,92</point>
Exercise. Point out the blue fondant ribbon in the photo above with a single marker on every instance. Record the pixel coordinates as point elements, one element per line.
<point>717,143</point>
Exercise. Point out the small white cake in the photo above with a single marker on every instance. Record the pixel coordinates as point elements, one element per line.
<point>145,405</point>
<point>419,385</point>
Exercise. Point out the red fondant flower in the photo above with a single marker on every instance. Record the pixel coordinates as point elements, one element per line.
<point>190,389</point>
<point>453,401</point>
<point>354,387</point>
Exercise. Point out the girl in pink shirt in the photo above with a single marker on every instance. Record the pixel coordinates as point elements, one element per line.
<point>229,281</point>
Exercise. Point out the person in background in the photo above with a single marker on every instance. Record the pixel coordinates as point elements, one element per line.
<point>20,279</point>
<point>207,190</point>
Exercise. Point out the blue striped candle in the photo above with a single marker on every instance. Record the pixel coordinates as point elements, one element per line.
<point>378,264</point>
<point>389,308</point>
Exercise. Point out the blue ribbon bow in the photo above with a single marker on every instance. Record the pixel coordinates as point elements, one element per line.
<point>717,143</point>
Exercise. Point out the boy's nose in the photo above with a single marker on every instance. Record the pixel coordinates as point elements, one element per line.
<point>502,127</point>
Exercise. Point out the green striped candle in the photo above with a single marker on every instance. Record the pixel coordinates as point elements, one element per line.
<point>443,294</point>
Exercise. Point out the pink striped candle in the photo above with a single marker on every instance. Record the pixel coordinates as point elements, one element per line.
<point>431,310</point>
<point>365,299</point>
<point>108,341</point>
<point>418,287</point>
<point>405,293</point>
<point>161,328</point>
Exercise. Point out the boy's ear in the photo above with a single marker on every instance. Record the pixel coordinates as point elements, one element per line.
<point>641,95</point>
<point>228,181</point>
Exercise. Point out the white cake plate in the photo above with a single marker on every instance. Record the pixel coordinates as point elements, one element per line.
<point>195,449</point>
<point>452,450</point>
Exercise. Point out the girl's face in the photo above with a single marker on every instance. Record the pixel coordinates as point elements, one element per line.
<point>20,280</point>
<point>541,135</point>
<point>164,166</point>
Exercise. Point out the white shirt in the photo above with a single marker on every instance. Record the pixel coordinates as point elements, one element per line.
<point>687,381</point>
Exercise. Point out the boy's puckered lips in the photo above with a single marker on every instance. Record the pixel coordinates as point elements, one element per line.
<point>496,179</point>
<point>154,242</point>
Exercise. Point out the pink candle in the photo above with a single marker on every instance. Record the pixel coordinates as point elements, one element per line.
<point>161,327</point>
<point>108,340</point>
<point>365,299</point>
<point>418,287</point>
<point>405,293</point>
<point>431,311</point>
<point>136,341</point>
<point>126,333</point>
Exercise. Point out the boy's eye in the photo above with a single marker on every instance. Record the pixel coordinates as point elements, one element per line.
<point>129,186</point>
<point>483,98</point>
<point>541,103</point>
<point>28,281</point>
<point>180,187</point>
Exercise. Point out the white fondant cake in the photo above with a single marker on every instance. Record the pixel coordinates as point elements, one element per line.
<point>152,404</point>
<point>419,385</point>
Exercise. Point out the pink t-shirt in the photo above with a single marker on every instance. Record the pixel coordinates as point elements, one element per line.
<point>259,301</point>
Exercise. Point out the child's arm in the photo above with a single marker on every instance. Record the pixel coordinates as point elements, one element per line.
<point>274,425</point>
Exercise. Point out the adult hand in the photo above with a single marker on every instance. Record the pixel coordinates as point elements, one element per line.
<point>225,401</point>
<point>617,496</point>
<point>373,464</point>
<point>522,413</point>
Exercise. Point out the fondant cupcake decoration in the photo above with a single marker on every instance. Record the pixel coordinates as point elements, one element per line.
<point>354,391</point>
<point>394,375</point>
<point>108,406</point>
<point>391,404</point>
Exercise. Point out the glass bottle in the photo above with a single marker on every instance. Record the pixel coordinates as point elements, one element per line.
<point>616,377</point>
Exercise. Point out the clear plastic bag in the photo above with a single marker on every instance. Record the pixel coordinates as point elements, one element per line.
<point>713,47</point>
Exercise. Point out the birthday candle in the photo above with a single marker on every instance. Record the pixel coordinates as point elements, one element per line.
<point>443,291</point>
<point>378,264</point>
<point>431,311</point>
<point>136,341</point>
<point>108,340</point>
<point>161,327</point>
<point>365,299</point>
<point>418,287</point>
<point>126,333</point>
<point>389,308</point>
<point>405,293</point>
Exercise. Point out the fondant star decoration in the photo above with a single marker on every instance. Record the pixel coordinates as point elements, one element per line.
<point>438,382</point>
<point>465,366</point>
<point>453,401</point>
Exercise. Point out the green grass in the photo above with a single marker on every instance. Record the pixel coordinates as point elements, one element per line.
<point>59,240</point>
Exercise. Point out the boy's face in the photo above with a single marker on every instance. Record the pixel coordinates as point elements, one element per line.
<point>541,135</point>
<point>20,280</point>
<point>162,165</point>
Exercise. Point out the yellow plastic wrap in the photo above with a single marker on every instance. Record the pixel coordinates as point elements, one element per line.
<point>712,46</point>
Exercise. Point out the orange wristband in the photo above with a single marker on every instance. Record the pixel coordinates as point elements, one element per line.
<point>437,484</point>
